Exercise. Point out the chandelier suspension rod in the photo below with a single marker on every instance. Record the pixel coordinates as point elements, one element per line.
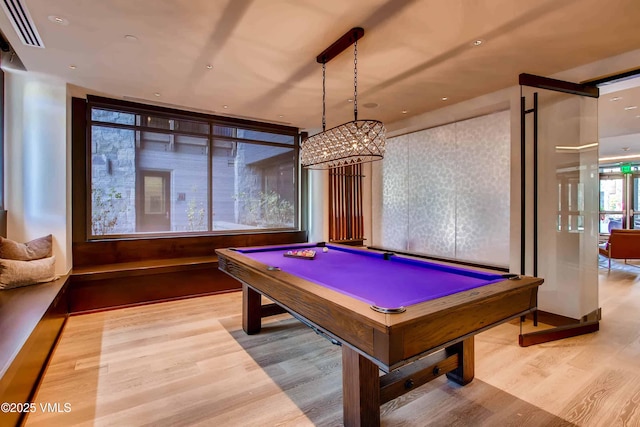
<point>355,80</point>
<point>324,96</point>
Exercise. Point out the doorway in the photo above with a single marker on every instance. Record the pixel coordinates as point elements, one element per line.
<point>154,206</point>
<point>619,194</point>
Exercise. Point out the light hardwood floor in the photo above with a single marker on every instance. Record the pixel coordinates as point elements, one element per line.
<point>189,363</point>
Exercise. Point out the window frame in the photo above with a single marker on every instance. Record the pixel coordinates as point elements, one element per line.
<point>86,123</point>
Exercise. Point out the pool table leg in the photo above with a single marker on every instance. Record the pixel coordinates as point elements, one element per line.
<point>360,389</point>
<point>463,374</point>
<point>251,310</point>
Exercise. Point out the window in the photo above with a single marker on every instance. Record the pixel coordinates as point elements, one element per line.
<point>619,198</point>
<point>169,172</point>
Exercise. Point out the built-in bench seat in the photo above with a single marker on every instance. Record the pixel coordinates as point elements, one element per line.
<point>114,273</point>
<point>31,320</point>
<point>141,268</point>
<point>115,285</point>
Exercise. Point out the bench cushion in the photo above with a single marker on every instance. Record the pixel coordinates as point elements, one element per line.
<point>35,249</point>
<point>15,273</point>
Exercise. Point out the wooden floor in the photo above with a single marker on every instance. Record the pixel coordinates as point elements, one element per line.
<point>189,363</point>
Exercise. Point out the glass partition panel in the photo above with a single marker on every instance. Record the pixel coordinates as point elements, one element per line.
<point>563,229</point>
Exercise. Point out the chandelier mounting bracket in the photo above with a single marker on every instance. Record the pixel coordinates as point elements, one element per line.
<point>349,38</point>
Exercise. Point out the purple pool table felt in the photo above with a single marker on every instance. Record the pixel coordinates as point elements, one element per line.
<point>367,276</point>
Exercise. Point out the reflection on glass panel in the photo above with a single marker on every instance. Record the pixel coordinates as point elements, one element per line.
<point>253,186</point>
<point>580,196</point>
<point>575,223</point>
<point>113,181</point>
<point>560,195</point>
<point>109,116</point>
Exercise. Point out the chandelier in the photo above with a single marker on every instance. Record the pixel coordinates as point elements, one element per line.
<point>358,141</point>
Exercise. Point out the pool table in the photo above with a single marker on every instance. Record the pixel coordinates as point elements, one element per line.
<point>411,318</point>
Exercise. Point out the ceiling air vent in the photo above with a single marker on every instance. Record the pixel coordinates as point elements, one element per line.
<point>19,16</point>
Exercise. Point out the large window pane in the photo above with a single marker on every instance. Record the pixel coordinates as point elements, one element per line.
<point>253,186</point>
<point>113,181</point>
<point>158,174</point>
<point>173,170</point>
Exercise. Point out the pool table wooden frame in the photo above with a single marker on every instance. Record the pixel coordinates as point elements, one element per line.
<point>427,340</point>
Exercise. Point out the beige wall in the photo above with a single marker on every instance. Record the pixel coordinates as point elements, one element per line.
<point>37,162</point>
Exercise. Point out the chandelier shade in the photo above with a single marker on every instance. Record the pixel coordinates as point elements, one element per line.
<point>358,141</point>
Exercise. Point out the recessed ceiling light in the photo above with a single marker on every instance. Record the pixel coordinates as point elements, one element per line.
<point>73,67</point>
<point>225,106</point>
<point>350,100</point>
<point>157,94</point>
<point>616,98</point>
<point>58,20</point>
<point>444,98</point>
<point>281,115</point>
<point>209,66</point>
<point>131,38</point>
<point>477,42</point>
<point>405,111</point>
<point>631,107</point>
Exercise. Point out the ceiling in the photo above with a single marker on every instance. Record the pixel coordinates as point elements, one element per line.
<point>262,53</point>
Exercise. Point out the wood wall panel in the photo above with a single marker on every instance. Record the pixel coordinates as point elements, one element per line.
<point>346,221</point>
<point>118,292</point>
<point>129,250</point>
